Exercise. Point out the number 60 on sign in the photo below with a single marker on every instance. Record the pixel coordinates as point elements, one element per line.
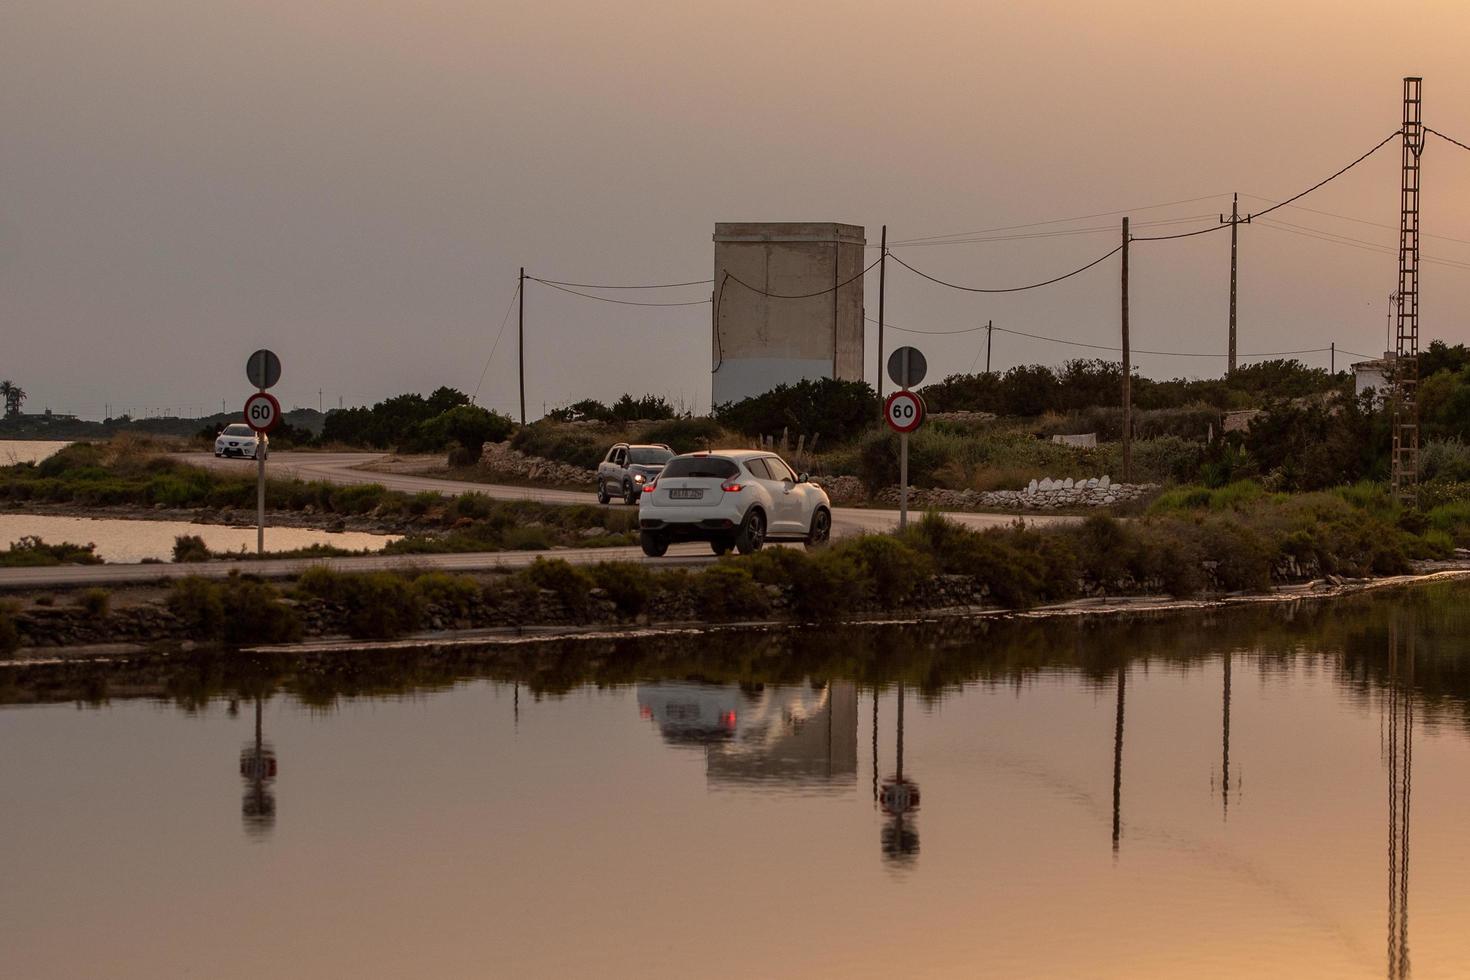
<point>904,411</point>
<point>262,412</point>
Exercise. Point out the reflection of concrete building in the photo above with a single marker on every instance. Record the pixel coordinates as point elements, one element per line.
<point>777,317</point>
<point>766,734</point>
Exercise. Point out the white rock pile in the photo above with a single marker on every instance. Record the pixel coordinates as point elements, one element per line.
<point>1045,494</point>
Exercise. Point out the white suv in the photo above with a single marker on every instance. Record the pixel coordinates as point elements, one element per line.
<point>738,498</point>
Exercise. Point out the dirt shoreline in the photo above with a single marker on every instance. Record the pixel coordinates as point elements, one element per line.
<point>531,634</point>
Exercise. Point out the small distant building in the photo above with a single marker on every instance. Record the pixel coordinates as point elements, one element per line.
<point>1085,440</point>
<point>762,337</point>
<point>1375,374</point>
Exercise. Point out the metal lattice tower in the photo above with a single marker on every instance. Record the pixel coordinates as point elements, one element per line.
<point>1406,353</point>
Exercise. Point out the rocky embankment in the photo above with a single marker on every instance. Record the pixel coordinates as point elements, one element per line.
<point>1040,495</point>
<point>508,463</point>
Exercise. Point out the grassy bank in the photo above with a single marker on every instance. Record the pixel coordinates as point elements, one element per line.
<point>1195,541</point>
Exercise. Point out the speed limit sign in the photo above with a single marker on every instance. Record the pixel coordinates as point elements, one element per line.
<point>262,411</point>
<point>904,411</point>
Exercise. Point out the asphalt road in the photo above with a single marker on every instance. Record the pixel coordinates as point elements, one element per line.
<point>344,468</point>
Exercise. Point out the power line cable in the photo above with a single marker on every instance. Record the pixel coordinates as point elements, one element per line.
<point>1054,221</point>
<point>1442,136</point>
<point>1078,343</point>
<point>1217,227</point>
<point>619,302</point>
<point>503,321</point>
<point>1336,239</point>
<point>1095,229</point>
<point>731,277</point>
<point>1360,221</point>
<point>593,285</point>
<point>1009,289</point>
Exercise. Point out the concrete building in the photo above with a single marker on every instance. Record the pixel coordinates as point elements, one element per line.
<point>777,317</point>
<point>1375,374</point>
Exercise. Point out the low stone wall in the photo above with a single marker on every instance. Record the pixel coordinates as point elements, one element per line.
<point>1039,495</point>
<point>499,458</point>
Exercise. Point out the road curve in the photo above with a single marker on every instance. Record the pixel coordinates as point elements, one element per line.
<point>346,468</point>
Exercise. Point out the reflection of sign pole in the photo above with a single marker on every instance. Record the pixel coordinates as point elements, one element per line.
<point>262,413</point>
<point>899,798</point>
<point>904,411</point>
<point>258,769</point>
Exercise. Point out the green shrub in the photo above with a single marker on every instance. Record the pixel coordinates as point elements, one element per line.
<point>685,435</point>
<point>423,502</point>
<point>630,585</point>
<point>728,590</point>
<point>1444,459</point>
<point>357,499</point>
<point>891,569</point>
<point>95,602</point>
<point>190,548</point>
<point>578,446</point>
<point>472,505</point>
<point>457,595</point>
<point>833,409</point>
<point>31,552</point>
<point>527,537</point>
<point>376,605</point>
<point>571,584</point>
<point>197,604</point>
<point>1453,519</point>
<point>254,612</point>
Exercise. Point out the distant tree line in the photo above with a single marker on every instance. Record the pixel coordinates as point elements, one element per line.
<point>1035,389</point>
<point>413,423</point>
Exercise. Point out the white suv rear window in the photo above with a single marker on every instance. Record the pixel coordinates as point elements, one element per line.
<point>711,467</point>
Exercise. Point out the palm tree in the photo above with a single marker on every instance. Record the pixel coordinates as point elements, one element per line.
<point>13,394</point>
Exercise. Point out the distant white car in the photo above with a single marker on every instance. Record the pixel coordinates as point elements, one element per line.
<point>739,498</point>
<point>237,440</point>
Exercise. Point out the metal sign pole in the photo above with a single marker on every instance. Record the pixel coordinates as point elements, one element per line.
<point>903,459</point>
<point>260,477</point>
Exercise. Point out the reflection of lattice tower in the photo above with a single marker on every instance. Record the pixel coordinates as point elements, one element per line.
<point>1406,360</point>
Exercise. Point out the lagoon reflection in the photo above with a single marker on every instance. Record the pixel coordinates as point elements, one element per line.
<point>666,802</point>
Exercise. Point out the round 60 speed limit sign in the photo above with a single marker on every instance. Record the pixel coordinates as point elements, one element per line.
<point>904,411</point>
<point>262,411</point>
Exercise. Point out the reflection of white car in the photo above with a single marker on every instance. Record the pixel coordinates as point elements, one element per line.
<point>237,440</point>
<point>738,498</point>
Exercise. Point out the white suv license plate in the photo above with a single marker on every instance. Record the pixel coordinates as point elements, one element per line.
<point>679,493</point>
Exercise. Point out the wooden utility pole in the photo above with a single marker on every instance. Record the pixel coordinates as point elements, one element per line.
<point>1127,371</point>
<point>882,283</point>
<point>989,329</point>
<point>1234,237</point>
<point>521,342</point>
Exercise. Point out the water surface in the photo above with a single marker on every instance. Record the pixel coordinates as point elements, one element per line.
<point>14,451</point>
<point>132,541</point>
<point>1221,796</point>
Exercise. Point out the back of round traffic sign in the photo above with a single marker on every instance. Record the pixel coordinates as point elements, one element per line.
<point>263,369</point>
<point>907,366</point>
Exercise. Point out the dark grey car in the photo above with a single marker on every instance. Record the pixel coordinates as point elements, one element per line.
<point>628,468</point>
